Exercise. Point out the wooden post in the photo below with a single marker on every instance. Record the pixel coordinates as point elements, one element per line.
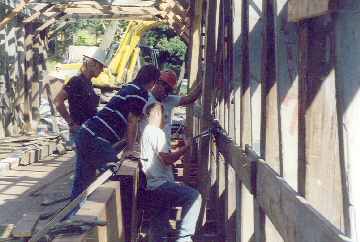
<point>303,72</point>
<point>348,101</point>
<point>252,89</point>
<point>246,136</point>
<point>35,84</point>
<point>286,53</point>
<point>194,63</point>
<point>323,181</point>
<point>270,138</point>
<point>207,88</point>
<point>20,51</point>
<point>230,176</point>
<point>237,39</point>
<point>3,65</point>
<point>29,75</point>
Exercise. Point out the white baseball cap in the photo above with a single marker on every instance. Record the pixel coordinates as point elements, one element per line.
<point>99,55</point>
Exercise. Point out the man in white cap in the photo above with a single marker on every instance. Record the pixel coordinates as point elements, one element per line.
<point>80,93</point>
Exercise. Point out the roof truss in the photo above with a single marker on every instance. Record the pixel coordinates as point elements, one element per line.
<point>47,11</point>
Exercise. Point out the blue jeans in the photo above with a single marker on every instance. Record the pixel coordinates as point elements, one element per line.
<point>72,136</point>
<point>168,195</point>
<point>91,153</point>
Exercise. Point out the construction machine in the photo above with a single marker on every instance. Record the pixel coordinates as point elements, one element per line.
<point>123,60</point>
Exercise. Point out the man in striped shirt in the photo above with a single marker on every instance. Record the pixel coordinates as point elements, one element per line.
<point>118,119</point>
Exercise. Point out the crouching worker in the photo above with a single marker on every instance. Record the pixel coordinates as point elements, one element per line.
<point>157,163</point>
<point>117,120</point>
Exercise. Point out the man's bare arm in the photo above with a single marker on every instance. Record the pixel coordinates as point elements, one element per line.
<point>194,94</point>
<point>171,157</point>
<point>59,102</point>
<point>131,131</point>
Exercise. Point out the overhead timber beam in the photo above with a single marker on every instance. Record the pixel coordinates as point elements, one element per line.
<point>13,13</point>
<point>43,14</point>
<point>109,16</point>
<point>136,3</point>
<point>107,9</point>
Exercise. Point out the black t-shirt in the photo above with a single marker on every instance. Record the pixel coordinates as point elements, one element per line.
<point>82,99</point>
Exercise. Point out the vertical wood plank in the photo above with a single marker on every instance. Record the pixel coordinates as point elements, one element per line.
<point>230,196</point>
<point>207,88</point>
<point>35,84</point>
<point>256,27</point>
<point>286,50</point>
<point>270,138</point>
<point>29,75</point>
<point>20,87</point>
<point>347,76</point>
<point>194,64</point>
<point>237,75</point>
<point>323,183</point>
<point>303,72</point>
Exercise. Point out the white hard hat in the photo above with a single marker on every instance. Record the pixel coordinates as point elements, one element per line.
<point>99,55</point>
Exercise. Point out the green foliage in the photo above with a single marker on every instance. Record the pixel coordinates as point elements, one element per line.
<point>83,32</point>
<point>172,48</point>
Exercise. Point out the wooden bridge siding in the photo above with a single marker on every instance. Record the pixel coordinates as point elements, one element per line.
<point>323,178</point>
<point>288,81</point>
<point>347,76</point>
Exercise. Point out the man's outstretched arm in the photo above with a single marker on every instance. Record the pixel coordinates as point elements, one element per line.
<point>170,157</point>
<point>193,95</point>
<point>131,131</point>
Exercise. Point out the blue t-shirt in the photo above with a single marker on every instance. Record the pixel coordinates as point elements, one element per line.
<point>82,99</point>
<point>110,123</point>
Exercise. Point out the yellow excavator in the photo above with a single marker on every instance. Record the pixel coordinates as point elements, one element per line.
<point>122,65</point>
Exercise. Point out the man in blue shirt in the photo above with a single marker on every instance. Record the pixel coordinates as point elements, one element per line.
<point>118,119</point>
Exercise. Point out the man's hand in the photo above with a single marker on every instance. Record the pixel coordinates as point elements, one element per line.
<point>73,127</point>
<point>188,141</point>
<point>130,154</point>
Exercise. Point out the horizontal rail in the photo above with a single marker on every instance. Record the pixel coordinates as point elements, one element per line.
<point>294,218</point>
<point>292,215</point>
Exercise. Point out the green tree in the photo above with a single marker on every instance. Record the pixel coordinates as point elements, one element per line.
<point>172,50</point>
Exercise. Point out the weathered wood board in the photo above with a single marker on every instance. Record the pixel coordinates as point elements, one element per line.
<point>286,46</point>
<point>294,218</point>
<point>323,179</point>
<point>26,225</point>
<point>301,9</point>
<point>347,76</point>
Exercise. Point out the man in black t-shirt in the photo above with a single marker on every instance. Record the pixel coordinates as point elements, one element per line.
<point>80,93</point>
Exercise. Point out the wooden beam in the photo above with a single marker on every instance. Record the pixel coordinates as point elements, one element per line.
<point>207,94</point>
<point>38,14</point>
<point>238,159</point>
<point>127,3</point>
<point>109,16</point>
<point>13,13</point>
<point>26,225</point>
<point>348,102</point>
<point>293,216</point>
<point>300,10</point>
<point>86,9</point>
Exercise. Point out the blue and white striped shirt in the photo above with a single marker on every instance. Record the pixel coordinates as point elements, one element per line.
<point>110,123</point>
